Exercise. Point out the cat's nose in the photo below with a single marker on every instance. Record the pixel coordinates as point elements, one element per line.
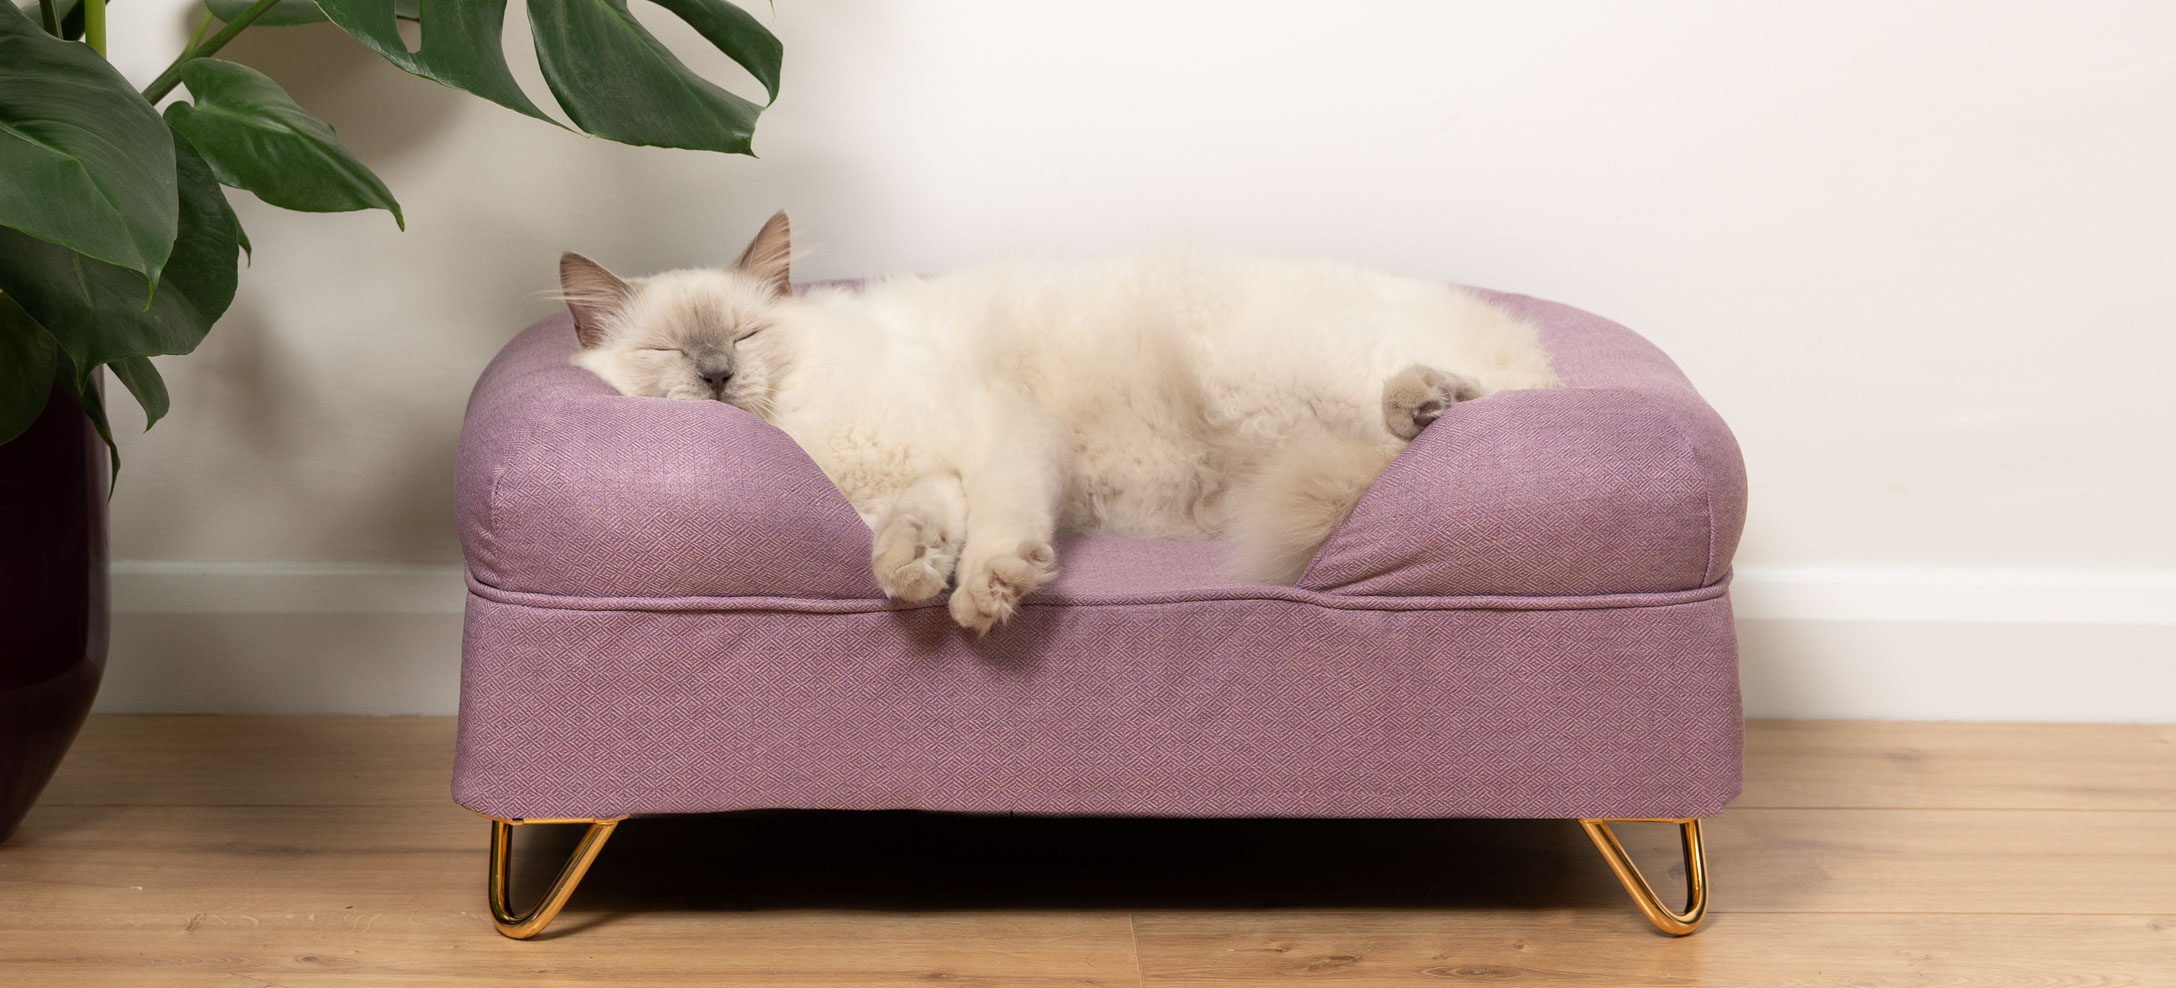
<point>717,380</point>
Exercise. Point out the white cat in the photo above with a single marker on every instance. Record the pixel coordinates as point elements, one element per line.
<point>968,417</point>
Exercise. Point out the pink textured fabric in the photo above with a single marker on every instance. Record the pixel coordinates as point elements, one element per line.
<point>670,611</point>
<point>1195,708</point>
<point>1623,480</point>
<point>565,486</point>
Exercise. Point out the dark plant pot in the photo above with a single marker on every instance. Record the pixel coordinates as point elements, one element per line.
<point>52,596</point>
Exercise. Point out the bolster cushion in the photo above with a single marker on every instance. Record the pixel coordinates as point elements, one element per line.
<point>568,487</point>
<point>1622,481</point>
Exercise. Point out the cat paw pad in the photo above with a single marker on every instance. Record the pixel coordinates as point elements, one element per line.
<point>912,560</point>
<point>988,597</point>
<point>1418,395</point>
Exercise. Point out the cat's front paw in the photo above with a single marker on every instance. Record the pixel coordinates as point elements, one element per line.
<point>1419,394</point>
<point>912,559</point>
<point>988,596</point>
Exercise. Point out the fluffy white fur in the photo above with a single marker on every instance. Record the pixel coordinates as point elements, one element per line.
<point>1179,393</point>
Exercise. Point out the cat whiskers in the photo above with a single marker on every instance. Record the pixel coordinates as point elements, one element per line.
<point>761,405</point>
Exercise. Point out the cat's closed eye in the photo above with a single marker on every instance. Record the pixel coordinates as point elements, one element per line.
<point>750,333</point>
<point>665,349</point>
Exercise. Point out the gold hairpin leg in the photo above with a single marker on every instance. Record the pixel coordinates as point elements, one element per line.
<point>1674,923</point>
<point>522,926</point>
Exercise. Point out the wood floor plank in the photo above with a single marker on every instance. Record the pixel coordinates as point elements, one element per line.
<point>1995,861</point>
<point>1799,861</point>
<point>791,948</point>
<point>257,761</point>
<point>319,896</point>
<point>1952,766</point>
<point>156,760</point>
<point>1226,950</point>
<point>325,852</point>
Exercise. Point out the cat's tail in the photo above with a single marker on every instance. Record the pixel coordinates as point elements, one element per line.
<point>1282,511</point>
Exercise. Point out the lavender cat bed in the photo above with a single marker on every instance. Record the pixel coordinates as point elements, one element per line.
<point>670,610</point>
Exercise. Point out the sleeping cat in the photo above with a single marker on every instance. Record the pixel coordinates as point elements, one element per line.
<point>969,417</point>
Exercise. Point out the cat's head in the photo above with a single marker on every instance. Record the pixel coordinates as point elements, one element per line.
<point>693,335</point>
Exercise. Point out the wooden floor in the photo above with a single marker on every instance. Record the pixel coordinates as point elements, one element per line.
<point>275,851</point>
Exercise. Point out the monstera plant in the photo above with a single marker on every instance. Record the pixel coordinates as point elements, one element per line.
<point>116,240</point>
<point>117,245</point>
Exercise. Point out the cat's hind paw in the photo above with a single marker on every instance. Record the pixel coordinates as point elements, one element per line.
<point>912,559</point>
<point>1419,394</point>
<point>987,597</point>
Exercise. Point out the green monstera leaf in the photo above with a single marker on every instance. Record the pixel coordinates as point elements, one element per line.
<point>27,353</point>
<point>283,14</point>
<point>68,12</point>
<point>96,310</point>
<point>460,44</point>
<point>616,81</point>
<point>88,166</point>
<point>84,386</point>
<point>290,12</point>
<point>143,381</point>
<point>613,78</point>
<point>116,241</point>
<point>256,138</point>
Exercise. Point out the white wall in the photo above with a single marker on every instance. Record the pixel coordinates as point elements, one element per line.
<point>1919,255</point>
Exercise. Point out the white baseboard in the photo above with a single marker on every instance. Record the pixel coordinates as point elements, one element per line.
<point>284,638</point>
<point>1841,642</point>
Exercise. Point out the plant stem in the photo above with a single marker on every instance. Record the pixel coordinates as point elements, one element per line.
<point>50,16</point>
<point>94,25</point>
<point>170,78</point>
<point>203,24</point>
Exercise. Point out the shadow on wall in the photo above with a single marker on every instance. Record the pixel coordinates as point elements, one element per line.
<point>642,210</point>
<point>276,424</point>
<point>255,390</point>
<point>336,78</point>
<point>264,396</point>
<point>319,420</point>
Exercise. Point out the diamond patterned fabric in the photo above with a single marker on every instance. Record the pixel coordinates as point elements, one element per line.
<point>670,611</point>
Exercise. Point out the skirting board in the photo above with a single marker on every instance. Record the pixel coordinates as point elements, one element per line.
<point>1855,643</point>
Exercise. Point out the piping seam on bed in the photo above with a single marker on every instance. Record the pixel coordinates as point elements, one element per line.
<point>1289,595</point>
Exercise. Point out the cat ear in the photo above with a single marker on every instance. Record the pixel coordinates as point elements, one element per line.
<point>593,295</point>
<point>770,255</point>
